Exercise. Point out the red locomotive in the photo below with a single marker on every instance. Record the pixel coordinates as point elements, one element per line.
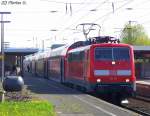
<point>99,65</point>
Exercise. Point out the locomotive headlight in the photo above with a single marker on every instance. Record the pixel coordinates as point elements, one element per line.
<point>113,62</point>
<point>127,80</point>
<point>98,80</point>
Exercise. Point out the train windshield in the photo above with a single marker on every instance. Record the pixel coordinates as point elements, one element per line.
<point>115,53</point>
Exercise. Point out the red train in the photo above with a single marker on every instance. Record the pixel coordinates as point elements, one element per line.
<point>99,65</point>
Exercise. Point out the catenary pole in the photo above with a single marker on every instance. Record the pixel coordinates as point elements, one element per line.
<point>2,43</point>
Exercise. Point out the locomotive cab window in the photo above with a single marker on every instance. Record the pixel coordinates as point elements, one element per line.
<point>103,53</point>
<point>76,56</point>
<point>121,53</point>
<point>115,53</point>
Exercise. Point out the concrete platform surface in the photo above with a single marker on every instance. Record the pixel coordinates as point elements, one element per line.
<point>143,81</point>
<point>69,102</point>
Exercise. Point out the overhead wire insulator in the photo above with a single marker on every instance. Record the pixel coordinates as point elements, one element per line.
<point>66,8</point>
<point>113,7</point>
<point>70,9</point>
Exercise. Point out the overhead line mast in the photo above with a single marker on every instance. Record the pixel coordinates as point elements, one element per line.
<point>2,42</point>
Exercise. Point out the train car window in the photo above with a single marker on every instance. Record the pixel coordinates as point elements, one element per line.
<point>103,53</point>
<point>121,53</point>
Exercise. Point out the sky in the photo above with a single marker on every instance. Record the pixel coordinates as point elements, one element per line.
<point>57,21</point>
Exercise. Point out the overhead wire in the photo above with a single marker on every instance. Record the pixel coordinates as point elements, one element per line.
<point>80,9</point>
<point>88,3</point>
<point>72,13</point>
<point>76,2</point>
<point>103,15</point>
<point>112,12</point>
<point>145,15</point>
<point>60,31</point>
<point>105,1</point>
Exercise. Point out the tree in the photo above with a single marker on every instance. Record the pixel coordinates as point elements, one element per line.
<point>134,35</point>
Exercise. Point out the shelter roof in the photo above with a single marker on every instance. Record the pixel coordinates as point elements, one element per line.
<point>20,51</point>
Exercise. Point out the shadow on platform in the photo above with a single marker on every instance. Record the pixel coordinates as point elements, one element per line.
<point>40,85</point>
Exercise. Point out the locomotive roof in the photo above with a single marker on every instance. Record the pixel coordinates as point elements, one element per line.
<point>97,44</point>
<point>80,49</point>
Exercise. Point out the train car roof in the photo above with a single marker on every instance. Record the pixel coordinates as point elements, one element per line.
<point>42,54</point>
<point>61,51</point>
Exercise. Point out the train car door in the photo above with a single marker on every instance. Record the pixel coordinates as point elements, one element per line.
<point>35,68</point>
<point>45,69</point>
<point>85,65</point>
<point>62,69</point>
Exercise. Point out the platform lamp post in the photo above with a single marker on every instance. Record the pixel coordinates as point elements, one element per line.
<point>2,49</point>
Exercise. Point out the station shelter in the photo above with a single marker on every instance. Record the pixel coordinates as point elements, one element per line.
<point>142,61</point>
<point>14,57</point>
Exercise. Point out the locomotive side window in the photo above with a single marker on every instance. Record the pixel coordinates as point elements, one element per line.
<point>70,57</point>
<point>76,56</point>
<point>103,53</point>
<point>115,53</point>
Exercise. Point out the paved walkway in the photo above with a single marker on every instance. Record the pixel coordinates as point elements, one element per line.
<point>69,102</point>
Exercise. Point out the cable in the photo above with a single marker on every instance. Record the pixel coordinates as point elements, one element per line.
<point>101,16</point>
<point>115,10</point>
<point>81,8</point>
<point>84,15</point>
<point>143,2</point>
<point>107,14</point>
<point>70,2</point>
<point>77,2</point>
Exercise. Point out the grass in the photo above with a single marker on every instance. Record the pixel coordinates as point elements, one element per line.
<point>30,108</point>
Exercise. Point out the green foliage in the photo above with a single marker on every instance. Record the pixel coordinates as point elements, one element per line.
<point>33,108</point>
<point>134,35</point>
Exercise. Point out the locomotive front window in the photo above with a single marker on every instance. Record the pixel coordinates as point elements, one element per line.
<point>109,53</point>
<point>121,53</point>
<point>103,53</point>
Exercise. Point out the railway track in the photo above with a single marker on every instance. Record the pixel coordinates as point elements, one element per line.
<point>139,105</point>
<point>146,99</point>
<point>141,112</point>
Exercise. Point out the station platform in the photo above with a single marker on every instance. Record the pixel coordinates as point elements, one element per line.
<point>143,87</point>
<point>69,102</point>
